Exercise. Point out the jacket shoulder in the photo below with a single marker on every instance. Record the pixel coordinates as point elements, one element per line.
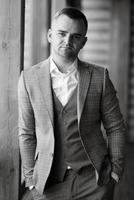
<point>29,75</point>
<point>96,69</point>
<point>32,69</point>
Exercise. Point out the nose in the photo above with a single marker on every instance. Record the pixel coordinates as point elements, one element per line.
<point>68,40</point>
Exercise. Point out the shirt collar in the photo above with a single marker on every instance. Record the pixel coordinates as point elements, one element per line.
<point>54,68</point>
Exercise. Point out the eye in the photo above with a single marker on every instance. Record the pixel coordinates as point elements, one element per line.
<point>62,34</point>
<point>77,37</point>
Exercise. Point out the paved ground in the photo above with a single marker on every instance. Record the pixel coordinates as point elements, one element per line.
<point>125,189</point>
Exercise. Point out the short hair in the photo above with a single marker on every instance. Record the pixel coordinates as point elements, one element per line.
<point>72,13</point>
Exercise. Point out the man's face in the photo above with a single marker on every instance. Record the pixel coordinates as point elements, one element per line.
<point>67,37</point>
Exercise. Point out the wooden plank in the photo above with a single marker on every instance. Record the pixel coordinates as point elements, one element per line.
<point>57,5</point>
<point>97,48</point>
<point>119,59</point>
<point>98,36</point>
<point>10,11</point>
<point>96,4</point>
<point>97,14</point>
<point>97,26</point>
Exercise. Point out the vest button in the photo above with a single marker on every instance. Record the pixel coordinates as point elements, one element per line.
<point>65,123</point>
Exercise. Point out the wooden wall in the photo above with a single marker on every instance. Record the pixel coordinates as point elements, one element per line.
<point>97,48</point>
<point>10,12</point>
<point>120,50</point>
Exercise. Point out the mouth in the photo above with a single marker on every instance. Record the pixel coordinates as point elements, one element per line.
<point>67,47</point>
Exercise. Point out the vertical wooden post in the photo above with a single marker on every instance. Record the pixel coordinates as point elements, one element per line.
<point>40,47</point>
<point>119,59</point>
<point>37,18</point>
<point>10,12</point>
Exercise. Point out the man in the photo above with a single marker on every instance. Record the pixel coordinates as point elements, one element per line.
<point>62,103</point>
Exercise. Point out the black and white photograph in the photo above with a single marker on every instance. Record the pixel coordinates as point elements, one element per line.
<point>67,100</point>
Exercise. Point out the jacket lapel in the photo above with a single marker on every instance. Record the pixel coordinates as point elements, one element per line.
<point>44,81</point>
<point>85,71</point>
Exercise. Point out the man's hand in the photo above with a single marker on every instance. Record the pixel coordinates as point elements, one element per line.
<point>35,194</point>
<point>115,177</point>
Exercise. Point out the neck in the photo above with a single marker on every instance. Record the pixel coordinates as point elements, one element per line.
<point>62,63</point>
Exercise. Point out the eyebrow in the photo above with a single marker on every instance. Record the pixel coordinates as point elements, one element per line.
<point>67,32</point>
<point>62,31</point>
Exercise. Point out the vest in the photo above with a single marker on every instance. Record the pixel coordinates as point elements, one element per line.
<point>69,150</point>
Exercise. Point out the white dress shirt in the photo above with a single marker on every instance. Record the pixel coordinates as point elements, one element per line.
<point>64,84</point>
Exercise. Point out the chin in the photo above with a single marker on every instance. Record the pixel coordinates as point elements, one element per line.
<point>68,53</point>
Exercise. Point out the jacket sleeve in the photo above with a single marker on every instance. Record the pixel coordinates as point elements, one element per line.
<point>26,127</point>
<point>114,125</point>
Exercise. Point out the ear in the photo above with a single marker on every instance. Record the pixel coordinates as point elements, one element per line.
<point>49,35</point>
<point>84,42</point>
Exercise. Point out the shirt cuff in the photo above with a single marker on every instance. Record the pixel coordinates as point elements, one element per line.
<point>115,176</point>
<point>31,187</point>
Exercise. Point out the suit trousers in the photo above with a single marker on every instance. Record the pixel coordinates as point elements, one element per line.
<point>77,186</point>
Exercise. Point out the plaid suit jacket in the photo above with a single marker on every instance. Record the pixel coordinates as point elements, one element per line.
<point>96,103</point>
